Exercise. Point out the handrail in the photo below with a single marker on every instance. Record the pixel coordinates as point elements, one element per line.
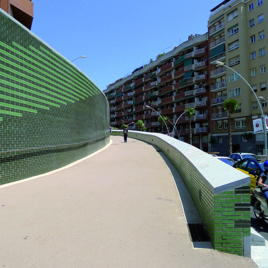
<point>52,146</point>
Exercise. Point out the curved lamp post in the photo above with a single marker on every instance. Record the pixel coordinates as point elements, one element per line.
<point>159,115</point>
<point>219,63</point>
<point>177,121</point>
<point>78,58</point>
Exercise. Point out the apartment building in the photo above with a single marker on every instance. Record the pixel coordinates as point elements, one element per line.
<point>173,82</point>
<point>237,32</point>
<point>21,10</point>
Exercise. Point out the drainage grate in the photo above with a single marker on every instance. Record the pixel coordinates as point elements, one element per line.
<point>198,232</point>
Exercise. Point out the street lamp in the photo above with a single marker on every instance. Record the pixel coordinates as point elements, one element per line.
<point>219,63</point>
<point>159,115</point>
<point>78,58</point>
<point>177,121</point>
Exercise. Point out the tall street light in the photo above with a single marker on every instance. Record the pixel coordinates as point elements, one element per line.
<point>78,58</point>
<point>219,63</point>
<point>159,115</point>
<point>177,121</point>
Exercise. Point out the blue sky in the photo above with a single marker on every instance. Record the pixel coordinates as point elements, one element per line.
<point>117,36</point>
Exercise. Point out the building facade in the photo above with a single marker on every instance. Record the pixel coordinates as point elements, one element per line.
<point>236,32</point>
<point>175,81</point>
<point>189,77</point>
<point>21,10</point>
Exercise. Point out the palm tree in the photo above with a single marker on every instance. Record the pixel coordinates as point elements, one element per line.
<point>163,120</point>
<point>231,107</point>
<point>190,112</point>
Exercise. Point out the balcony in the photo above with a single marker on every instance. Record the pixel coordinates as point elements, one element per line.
<point>166,89</point>
<point>189,55</point>
<point>139,90</point>
<point>201,103</point>
<point>200,51</point>
<point>219,57</point>
<point>139,117</point>
<point>118,107</point>
<point>167,100</point>
<point>147,116</point>
<point>219,86</point>
<point>219,115</point>
<point>167,111</point>
<point>217,42</point>
<point>200,77</point>
<point>139,99</point>
<point>190,105</point>
<point>189,93</point>
<point>201,116</point>
<point>165,67</point>
<point>218,72</point>
<point>155,124</point>
<point>146,77</point>
<point>188,68</point>
<point>200,90</point>
<point>216,28</point>
<point>119,114</point>
<point>178,73</point>
<point>200,64</point>
<point>148,86</point>
<point>219,100</point>
<point>139,109</point>
<point>165,79</point>
<point>119,99</point>
<point>202,130</point>
<point>179,96</point>
<point>180,108</point>
<point>139,81</point>
<point>112,108</point>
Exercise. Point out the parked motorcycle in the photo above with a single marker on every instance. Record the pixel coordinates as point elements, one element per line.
<point>259,203</point>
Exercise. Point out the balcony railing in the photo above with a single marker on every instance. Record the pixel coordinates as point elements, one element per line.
<point>219,85</point>
<point>201,116</point>
<point>201,103</point>
<point>190,105</point>
<point>189,67</point>
<point>200,90</point>
<point>219,115</point>
<point>218,71</point>
<point>219,100</point>
<point>200,64</point>
<point>200,77</point>
<point>201,130</point>
<point>216,28</point>
<point>217,57</point>
<point>200,51</point>
<point>217,42</point>
<point>189,92</point>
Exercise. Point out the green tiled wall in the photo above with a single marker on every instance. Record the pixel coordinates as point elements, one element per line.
<point>51,114</point>
<point>225,215</point>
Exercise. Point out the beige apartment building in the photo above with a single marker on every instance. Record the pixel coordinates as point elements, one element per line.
<point>237,32</point>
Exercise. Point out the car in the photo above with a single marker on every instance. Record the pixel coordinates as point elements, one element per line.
<point>226,160</point>
<point>240,156</point>
<point>251,167</point>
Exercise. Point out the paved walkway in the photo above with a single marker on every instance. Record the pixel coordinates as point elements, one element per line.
<point>117,208</point>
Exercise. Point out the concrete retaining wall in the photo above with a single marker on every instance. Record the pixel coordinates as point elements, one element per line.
<point>220,192</point>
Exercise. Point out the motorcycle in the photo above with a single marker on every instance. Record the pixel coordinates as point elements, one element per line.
<point>259,203</point>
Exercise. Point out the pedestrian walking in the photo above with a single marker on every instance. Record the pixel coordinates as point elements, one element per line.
<point>125,131</point>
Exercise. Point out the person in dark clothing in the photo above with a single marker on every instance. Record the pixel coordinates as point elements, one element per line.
<point>125,131</point>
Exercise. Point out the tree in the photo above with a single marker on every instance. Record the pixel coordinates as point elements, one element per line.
<point>139,124</point>
<point>123,126</point>
<point>231,107</point>
<point>163,120</point>
<point>190,112</point>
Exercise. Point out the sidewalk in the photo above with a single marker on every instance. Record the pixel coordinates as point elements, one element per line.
<point>117,208</point>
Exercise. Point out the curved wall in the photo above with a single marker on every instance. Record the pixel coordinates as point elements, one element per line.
<point>51,114</point>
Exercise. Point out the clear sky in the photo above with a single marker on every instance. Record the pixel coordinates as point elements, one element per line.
<point>117,36</point>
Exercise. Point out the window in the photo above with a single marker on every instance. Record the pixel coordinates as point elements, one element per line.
<point>261,35</point>
<point>225,124</point>
<point>233,77</point>
<point>263,86</point>
<point>260,2</point>
<point>251,23</point>
<point>233,31</point>
<point>252,39</point>
<point>219,124</point>
<point>260,18</point>
<point>234,92</point>
<point>250,7</point>
<point>232,15</point>
<point>240,123</point>
<point>262,52</point>
<point>234,61</point>
<point>233,45</point>
<point>262,69</point>
<point>254,105</point>
<point>263,104</point>
<point>254,88</point>
<point>253,72</point>
<point>253,55</point>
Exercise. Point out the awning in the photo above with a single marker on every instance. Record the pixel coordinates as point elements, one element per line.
<point>188,75</point>
<point>180,60</point>
<point>216,51</point>
<point>188,62</point>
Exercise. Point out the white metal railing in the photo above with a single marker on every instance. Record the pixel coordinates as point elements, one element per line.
<point>201,116</point>
<point>200,64</point>
<point>190,105</point>
<point>130,93</point>
<point>218,71</point>
<point>219,56</point>
<point>189,92</point>
<point>201,129</point>
<point>219,115</point>
<point>154,83</point>
<point>200,77</point>
<point>199,51</point>
<point>201,103</point>
<point>216,28</point>
<point>219,85</point>
<point>189,55</point>
<point>217,42</point>
<point>219,99</point>
<point>200,90</point>
<point>187,68</point>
